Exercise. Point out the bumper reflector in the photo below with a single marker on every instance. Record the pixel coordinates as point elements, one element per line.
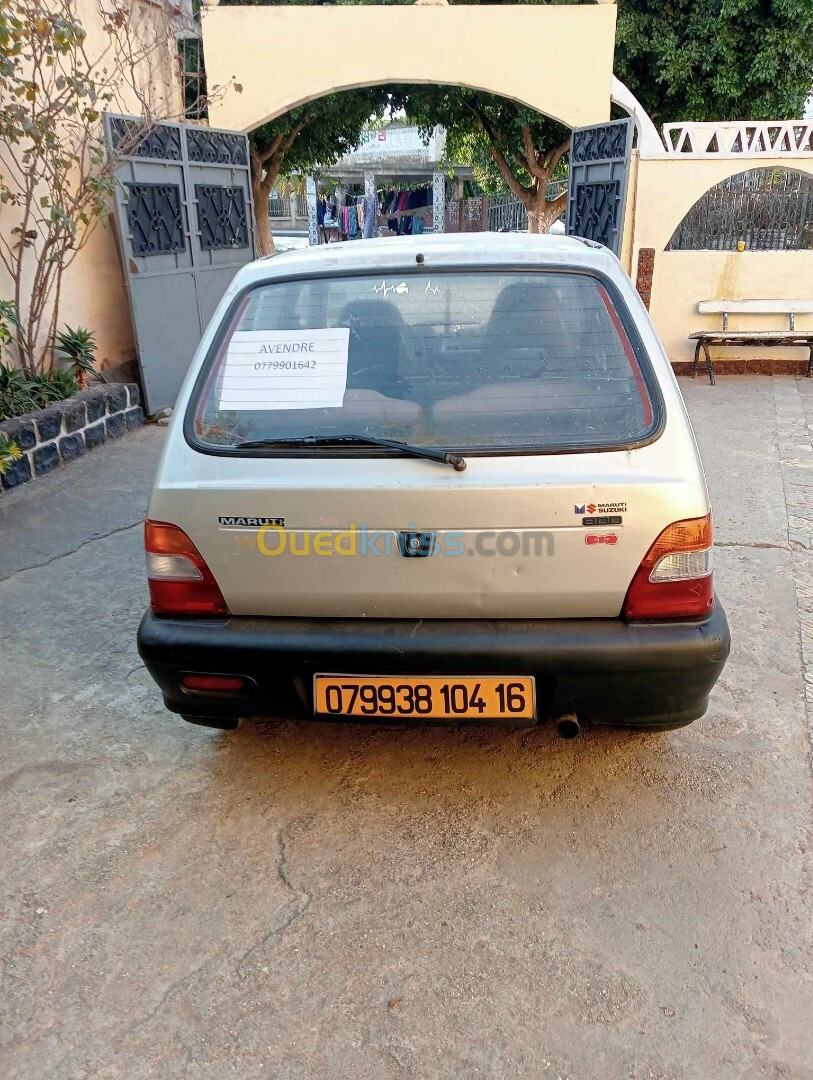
<point>213,684</point>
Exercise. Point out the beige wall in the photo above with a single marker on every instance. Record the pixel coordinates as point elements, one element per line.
<point>558,58</point>
<point>93,291</point>
<point>666,190</point>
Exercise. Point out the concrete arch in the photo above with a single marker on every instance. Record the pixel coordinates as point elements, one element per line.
<point>745,166</point>
<point>668,187</point>
<point>556,59</point>
<point>649,141</point>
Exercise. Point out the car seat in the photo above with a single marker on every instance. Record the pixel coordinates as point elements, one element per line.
<point>377,346</point>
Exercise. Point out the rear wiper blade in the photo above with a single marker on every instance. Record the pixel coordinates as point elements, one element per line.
<point>428,452</point>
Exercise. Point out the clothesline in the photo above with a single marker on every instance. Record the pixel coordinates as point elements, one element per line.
<point>420,211</point>
<point>404,211</point>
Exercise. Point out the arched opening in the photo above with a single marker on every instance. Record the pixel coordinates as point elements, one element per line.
<point>510,150</point>
<point>323,90</point>
<point>765,209</point>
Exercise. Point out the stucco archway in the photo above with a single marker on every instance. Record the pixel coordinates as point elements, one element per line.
<point>556,59</point>
<point>668,187</point>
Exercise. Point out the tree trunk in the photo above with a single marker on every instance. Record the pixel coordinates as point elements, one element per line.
<point>542,213</point>
<point>263,236</point>
<point>536,220</point>
<point>540,217</point>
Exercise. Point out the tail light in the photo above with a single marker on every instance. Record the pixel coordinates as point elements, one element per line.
<point>675,578</point>
<point>213,684</point>
<point>180,581</point>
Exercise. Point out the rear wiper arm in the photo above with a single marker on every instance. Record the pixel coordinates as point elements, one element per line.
<point>428,452</point>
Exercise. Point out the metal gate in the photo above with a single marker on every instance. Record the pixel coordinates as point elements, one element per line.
<point>599,168</point>
<point>184,225</point>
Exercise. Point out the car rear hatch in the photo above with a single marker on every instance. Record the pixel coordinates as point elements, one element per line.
<point>538,379</point>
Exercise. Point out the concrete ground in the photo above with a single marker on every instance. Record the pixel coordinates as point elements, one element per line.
<point>302,901</point>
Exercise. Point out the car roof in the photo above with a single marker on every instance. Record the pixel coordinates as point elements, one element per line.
<point>399,254</point>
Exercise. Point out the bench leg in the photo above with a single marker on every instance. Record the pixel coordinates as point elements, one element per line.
<point>810,364</point>
<point>709,365</point>
<point>696,363</point>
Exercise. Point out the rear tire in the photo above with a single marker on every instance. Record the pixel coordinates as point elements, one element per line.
<point>222,723</point>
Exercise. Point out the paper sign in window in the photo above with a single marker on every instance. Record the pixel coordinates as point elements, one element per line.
<point>285,369</point>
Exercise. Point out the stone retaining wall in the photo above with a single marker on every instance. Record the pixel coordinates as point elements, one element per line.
<point>67,429</point>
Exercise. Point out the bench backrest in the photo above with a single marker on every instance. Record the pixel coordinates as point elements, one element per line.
<point>791,308</point>
<point>755,307</point>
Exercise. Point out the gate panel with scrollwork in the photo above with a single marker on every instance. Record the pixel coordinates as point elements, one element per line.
<point>185,224</point>
<point>599,167</point>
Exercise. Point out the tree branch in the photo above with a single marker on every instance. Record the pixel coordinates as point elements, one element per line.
<point>263,155</point>
<point>505,171</point>
<point>556,207</point>
<point>496,153</point>
<point>294,134</point>
<point>522,161</point>
<point>531,156</point>
<point>484,122</point>
<point>555,157</point>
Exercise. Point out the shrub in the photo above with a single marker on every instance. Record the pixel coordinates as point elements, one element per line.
<point>9,321</point>
<point>22,392</point>
<point>64,382</point>
<point>9,453</point>
<point>79,346</point>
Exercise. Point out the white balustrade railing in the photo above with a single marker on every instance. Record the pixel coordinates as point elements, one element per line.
<point>763,138</point>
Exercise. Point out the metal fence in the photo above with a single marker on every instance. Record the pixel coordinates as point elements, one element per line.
<point>506,214</point>
<point>766,209</point>
<point>280,205</point>
<point>493,213</point>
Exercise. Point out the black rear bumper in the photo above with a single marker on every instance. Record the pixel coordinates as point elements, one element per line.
<point>606,670</point>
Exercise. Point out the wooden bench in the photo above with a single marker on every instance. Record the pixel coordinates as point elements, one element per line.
<point>791,336</point>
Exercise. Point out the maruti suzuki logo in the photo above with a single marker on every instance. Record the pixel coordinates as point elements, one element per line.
<point>579,509</point>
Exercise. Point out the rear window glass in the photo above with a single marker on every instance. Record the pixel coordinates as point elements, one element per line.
<point>474,361</point>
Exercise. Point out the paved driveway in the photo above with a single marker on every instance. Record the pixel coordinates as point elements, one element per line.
<point>305,901</point>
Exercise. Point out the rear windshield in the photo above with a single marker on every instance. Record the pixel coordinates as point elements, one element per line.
<point>472,361</point>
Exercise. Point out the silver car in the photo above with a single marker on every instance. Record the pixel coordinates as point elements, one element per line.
<point>433,479</point>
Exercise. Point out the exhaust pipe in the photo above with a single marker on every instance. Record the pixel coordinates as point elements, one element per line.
<point>568,726</point>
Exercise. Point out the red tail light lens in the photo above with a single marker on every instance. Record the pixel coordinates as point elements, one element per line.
<point>675,579</point>
<point>180,581</point>
<point>213,684</point>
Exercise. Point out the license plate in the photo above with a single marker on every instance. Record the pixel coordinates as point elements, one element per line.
<point>428,697</point>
